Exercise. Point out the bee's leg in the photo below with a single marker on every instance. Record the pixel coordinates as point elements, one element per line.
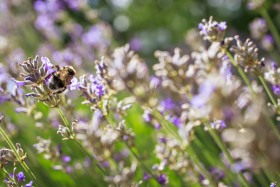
<point>48,76</point>
<point>59,91</point>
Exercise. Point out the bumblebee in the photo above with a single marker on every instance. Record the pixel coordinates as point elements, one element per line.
<point>59,80</point>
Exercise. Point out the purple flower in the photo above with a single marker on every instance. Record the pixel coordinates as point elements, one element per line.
<point>157,126</point>
<point>161,179</point>
<point>74,5</point>
<point>273,185</point>
<point>105,164</point>
<point>276,89</point>
<point>11,175</point>
<point>269,39</point>
<point>136,44</point>
<point>20,177</point>
<point>66,158</point>
<point>202,29</point>
<point>44,22</point>
<point>274,65</point>
<point>146,176</point>
<point>225,57</point>
<point>198,101</point>
<point>99,89</point>
<point>147,116</point>
<point>40,6</point>
<point>177,122</point>
<point>226,70</point>
<point>20,83</point>
<point>162,140</point>
<point>223,124</point>
<point>91,78</point>
<point>93,37</point>
<point>167,104</point>
<point>228,113</point>
<point>29,184</point>
<point>154,82</point>
<point>74,84</point>
<point>216,172</point>
<point>222,25</point>
<point>4,98</point>
<point>205,90</point>
<point>201,177</point>
<point>46,62</point>
<point>200,26</point>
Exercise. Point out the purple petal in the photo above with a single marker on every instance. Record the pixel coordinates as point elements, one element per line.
<point>222,26</point>
<point>276,89</point>
<point>29,184</point>
<point>66,158</point>
<point>21,177</point>
<point>20,83</point>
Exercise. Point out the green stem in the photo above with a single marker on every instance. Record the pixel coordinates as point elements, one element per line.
<point>8,175</point>
<point>166,125</point>
<point>77,142</point>
<point>271,123</point>
<point>169,127</point>
<point>268,91</point>
<point>192,155</point>
<point>64,119</point>
<point>244,77</point>
<point>23,164</point>
<point>226,152</point>
<point>89,156</point>
<point>145,168</point>
<point>271,26</point>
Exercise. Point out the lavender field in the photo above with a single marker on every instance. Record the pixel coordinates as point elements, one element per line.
<point>128,93</point>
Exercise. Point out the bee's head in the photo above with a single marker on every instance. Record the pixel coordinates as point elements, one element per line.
<point>70,70</point>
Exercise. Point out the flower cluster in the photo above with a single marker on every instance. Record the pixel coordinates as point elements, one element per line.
<point>246,54</point>
<point>212,30</point>
<point>17,179</point>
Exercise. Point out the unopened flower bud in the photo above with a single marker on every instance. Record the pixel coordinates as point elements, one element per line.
<point>65,132</point>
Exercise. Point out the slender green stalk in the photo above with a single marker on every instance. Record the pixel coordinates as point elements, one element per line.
<point>271,124</point>
<point>77,142</point>
<point>166,124</point>
<point>8,175</point>
<point>271,27</point>
<point>64,119</point>
<point>89,156</point>
<point>268,92</point>
<point>244,77</point>
<point>220,143</point>
<point>23,164</point>
<point>145,168</point>
<point>241,73</point>
<point>192,155</point>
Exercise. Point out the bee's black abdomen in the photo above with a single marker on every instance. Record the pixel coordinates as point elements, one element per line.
<point>55,83</point>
